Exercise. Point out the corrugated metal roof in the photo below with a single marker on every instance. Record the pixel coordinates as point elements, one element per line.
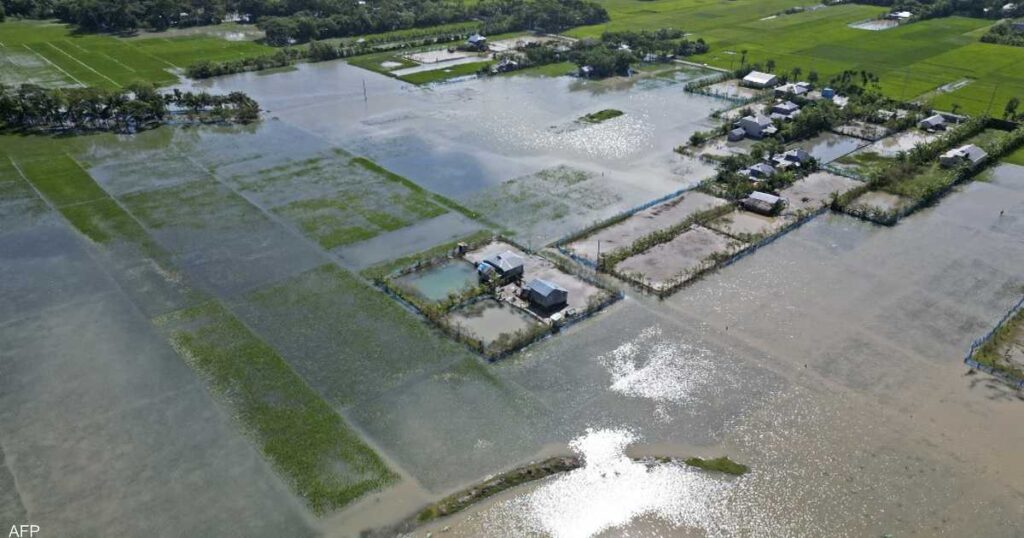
<point>545,287</point>
<point>505,261</point>
<point>764,197</point>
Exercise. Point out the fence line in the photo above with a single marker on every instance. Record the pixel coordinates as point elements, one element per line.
<point>844,172</point>
<point>622,215</point>
<point>746,251</point>
<point>978,342</point>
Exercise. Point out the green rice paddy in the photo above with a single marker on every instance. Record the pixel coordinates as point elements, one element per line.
<point>911,60</point>
<point>439,75</point>
<point>305,439</point>
<point>324,460</point>
<point>48,53</point>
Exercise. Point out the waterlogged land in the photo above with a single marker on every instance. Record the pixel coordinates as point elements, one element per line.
<point>192,310</point>
<point>49,54</point>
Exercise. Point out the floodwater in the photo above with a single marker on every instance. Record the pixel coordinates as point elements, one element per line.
<point>830,146</point>
<point>829,361</point>
<point>464,138</point>
<point>489,319</point>
<point>439,281</point>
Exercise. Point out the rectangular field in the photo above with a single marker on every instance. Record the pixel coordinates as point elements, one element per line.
<point>911,60</point>
<point>49,54</point>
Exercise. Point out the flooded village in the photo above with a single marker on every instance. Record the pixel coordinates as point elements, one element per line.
<point>546,301</point>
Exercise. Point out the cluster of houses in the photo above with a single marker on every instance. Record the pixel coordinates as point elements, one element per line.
<point>758,126</point>
<point>791,159</point>
<point>507,268</point>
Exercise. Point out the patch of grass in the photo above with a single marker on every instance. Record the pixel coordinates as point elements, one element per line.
<point>411,185</point>
<point>602,115</point>
<point>382,270</point>
<point>1016,157</point>
<point>442,74</point>
<point>865,161</point>
<point>507,480</point>
<point>995,350</point>
<point>326,462</point>
<point>104,221</point>
<point>927,182</point>
<point>59,178</point>
<point>548,70</point>
<point>372,62</point>
<point>112,62</point>
<point>722,465</point>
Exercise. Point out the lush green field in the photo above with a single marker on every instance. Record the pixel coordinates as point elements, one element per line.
<point>1016,158</point>
<point>911,60</point>
<point>438,75</point>
<point>50,54</point>
<point>323,459</point>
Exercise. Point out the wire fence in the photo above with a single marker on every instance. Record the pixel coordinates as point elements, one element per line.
<point>620,216</point>
<point>969,358</point>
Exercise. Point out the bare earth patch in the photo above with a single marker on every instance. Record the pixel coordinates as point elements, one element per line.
<point>661,216</point>
<point>687,254</point>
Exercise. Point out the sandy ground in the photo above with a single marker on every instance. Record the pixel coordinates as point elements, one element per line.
<point>880,200</point>
<point>815,191</point>
<point>685,254</point>
<point>744,223</point>
<point>661,216</point>
<point>580,291</point>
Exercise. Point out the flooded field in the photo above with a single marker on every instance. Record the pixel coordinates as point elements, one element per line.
<point>828,147</point>
<point>488,320</point>
<point>466,139</point>
<point>829,361</point>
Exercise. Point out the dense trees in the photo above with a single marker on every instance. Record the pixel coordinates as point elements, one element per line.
<point>138,107</point>
<point>616,51</point>
<point>123,15</point>
<point>291,21</point>
<point>930,9</point>
<point>1004,33</point>
<point>495,15</point>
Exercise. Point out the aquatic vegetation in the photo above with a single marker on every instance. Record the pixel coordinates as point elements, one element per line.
<point>1003,350</point>
<point>326,462</point>
<point>509,479</point>
<point>445,73</point>
<point>598,117</point>
<point>721,464</point>
<point>105,61</point>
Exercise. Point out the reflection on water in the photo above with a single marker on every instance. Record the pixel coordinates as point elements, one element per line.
<point>610,491</point>
<point>459,138</point>
<point>438,282</point>
<point>653,367</point>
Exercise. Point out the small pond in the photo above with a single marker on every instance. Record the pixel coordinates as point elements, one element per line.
<point>439,281</point>
<point>830,146</point>
<point>489,319</point>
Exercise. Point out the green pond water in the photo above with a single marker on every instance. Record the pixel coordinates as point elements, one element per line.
<point>438,282</point>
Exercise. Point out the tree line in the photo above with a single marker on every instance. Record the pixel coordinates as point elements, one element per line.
<point>1004,33</point>
<point>612,54</point>
<point>298,21</point>
<point>137,107</point>
<point>495,16</point>
<point>931,9</point>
